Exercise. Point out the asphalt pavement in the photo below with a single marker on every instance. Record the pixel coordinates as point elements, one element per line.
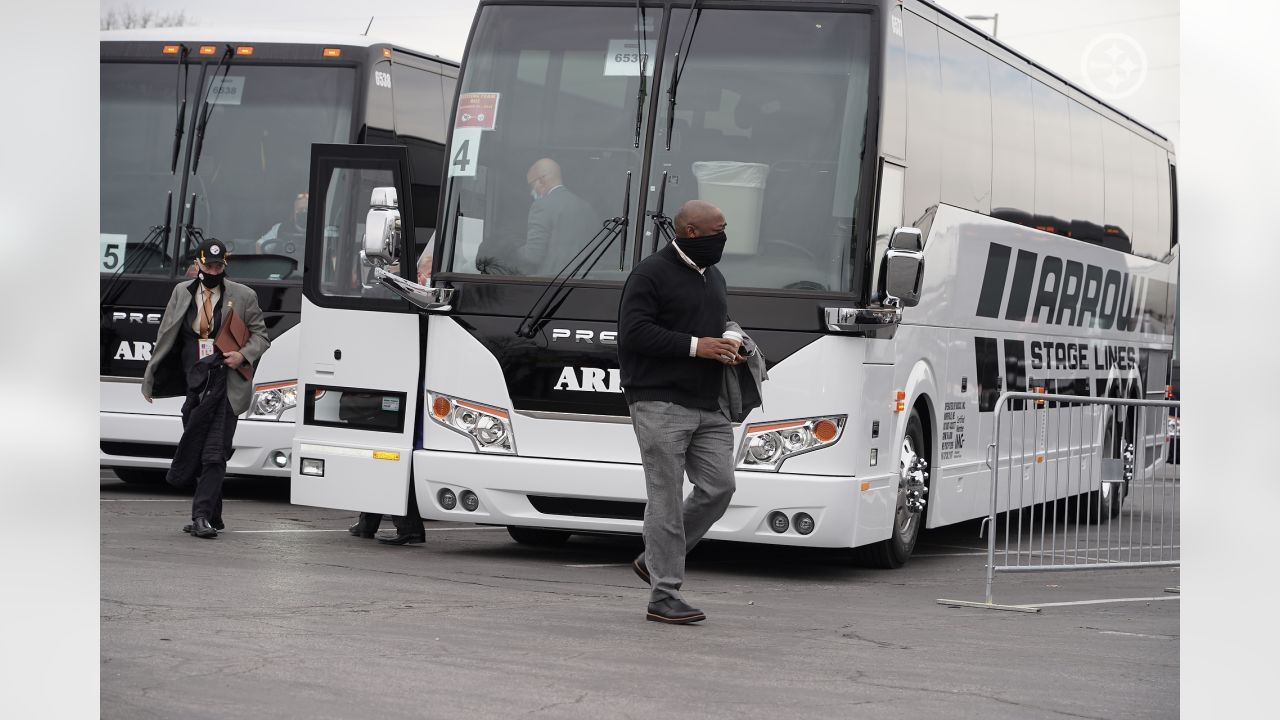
<point>286,615</point>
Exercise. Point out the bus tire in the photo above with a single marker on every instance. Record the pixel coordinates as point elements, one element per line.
<point>1105,503</point>
<point>914,458</point>
<point>140,476</point>
<point>538,537</point>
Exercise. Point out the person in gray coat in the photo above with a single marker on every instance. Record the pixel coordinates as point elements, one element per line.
<point>195,314</point>
<point>560,223</point>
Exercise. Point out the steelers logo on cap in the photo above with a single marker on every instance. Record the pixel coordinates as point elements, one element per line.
<point>215,250</point>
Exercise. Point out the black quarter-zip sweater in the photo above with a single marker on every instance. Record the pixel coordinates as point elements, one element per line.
<point>664,303</point>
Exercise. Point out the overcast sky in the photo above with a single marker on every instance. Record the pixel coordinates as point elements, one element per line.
<point>1125,51</point>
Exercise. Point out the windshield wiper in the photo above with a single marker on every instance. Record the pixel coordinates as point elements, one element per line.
<point>183,70</point>
<point>677,67</point>
<point>644,60</point>
<point>594,250</point>
<point>662,225</point>
<point>206,108</point>
<point>158,235</point>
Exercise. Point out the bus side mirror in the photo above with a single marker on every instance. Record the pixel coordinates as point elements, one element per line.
<point>904,266</point>
<point>382,227</point>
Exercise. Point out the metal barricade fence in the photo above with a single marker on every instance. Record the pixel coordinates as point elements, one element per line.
<point>1081,483</point>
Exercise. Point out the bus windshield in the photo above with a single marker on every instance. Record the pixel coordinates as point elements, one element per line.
<point>770,125</point>
<point>251,183</point>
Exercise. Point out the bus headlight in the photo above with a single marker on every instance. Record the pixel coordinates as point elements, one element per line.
<point>271,400</point>
<point>488,427</point>
<point>766,445</point>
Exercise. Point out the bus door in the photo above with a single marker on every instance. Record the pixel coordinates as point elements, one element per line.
<point>360,359</point>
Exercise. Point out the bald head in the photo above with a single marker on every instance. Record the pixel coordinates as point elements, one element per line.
<point>697,218</point>
<point>543,175</point>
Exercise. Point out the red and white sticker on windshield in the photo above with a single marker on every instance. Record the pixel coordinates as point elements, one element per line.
<point>477,110</point>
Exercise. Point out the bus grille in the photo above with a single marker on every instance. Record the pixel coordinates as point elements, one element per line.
<point>584,507</point>
<point>137,449</point>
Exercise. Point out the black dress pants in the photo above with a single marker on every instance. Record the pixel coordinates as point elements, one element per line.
<point>408,524</point>
<point>207,502</point>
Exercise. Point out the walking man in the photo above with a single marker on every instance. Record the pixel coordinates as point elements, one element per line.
<point>186,361</point>
<point>673,348</point>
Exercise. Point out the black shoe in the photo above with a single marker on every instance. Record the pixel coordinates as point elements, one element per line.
<point>360,531</point>
<point>398,539</point>
<point>217,525</point>
<point>201,528</point>
<point>641,570</point>
<point>676,612</point>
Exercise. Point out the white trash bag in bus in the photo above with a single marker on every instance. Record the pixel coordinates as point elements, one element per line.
<point>737,188</point>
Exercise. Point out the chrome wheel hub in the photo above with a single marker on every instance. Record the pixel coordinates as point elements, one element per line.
<point>913,472</point>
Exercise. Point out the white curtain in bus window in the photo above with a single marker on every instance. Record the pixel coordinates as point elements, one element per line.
<point>346,206</point>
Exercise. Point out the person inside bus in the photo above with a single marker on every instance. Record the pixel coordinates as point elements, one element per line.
<point>185,361</point>
<point>560,222</point>
<point>287,237</point>
<point>673,345</point>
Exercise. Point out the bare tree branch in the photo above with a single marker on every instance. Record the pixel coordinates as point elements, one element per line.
<point>130,17</point>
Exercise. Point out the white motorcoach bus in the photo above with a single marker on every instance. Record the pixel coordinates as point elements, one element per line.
<point>225,118</point>
<point>919,218</point>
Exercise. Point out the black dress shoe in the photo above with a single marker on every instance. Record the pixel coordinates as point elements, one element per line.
<point>398,539</point>
<point>201,528</point>
<point>217,525</point>
<point>360,531</point>
<point>675,612</point>
<point>641,570</point>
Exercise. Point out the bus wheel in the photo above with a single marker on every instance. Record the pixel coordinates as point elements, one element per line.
<point>538,537</point>
<point>913,479</point>
<point>140,476</point>
<point>1106,501</point>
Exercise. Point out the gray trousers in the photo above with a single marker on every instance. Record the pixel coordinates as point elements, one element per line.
<point>674,440</point>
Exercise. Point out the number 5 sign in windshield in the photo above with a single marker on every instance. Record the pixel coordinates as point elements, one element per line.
<point>477,110</point>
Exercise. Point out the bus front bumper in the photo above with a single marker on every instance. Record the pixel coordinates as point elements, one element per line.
<point>847,511</point>
<point>136,440</point>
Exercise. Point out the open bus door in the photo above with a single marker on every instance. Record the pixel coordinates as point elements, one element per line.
<point>361,359</point>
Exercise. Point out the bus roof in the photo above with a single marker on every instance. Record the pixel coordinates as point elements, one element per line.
<point>213,34</point>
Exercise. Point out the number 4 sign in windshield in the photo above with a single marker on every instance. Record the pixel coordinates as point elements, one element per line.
<point>463,152</point>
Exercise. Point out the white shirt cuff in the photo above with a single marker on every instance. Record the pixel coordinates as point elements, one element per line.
<point>693,346</point>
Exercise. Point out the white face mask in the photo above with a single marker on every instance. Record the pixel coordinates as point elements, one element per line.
<point>534,193</point>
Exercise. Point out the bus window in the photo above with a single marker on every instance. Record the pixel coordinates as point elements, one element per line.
<point>770,125</point>
<point>1013,155</point>
<point>1118,186</point>
<point>1086,173</point>
<point>1146,239</point>
<point>924,116</point>
<point>138,106</point>
<point>966,134</point>
<point>1055,203</point>
<point>254,166</point>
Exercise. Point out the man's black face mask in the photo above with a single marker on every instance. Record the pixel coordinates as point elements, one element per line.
<point>704,251</point>
<point>210,280</point>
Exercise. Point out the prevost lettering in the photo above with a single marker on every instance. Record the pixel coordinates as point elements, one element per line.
<point>1048,290</point>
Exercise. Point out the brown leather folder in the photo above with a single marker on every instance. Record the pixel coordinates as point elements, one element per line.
<point>233,336</point>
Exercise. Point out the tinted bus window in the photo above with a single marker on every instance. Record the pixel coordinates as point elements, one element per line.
<point>1146,240</point>
<point>1013,131</point>
<point>1086,173</point>
<point>966,133</point>
<point>420,127</point>
<point>138,117</point>
<point>1164,218</point>
<point>924,112</point>
<point>893,131</point>
<point>252,179</point>
<point>1118,186</point>
<point>1054,202</point>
